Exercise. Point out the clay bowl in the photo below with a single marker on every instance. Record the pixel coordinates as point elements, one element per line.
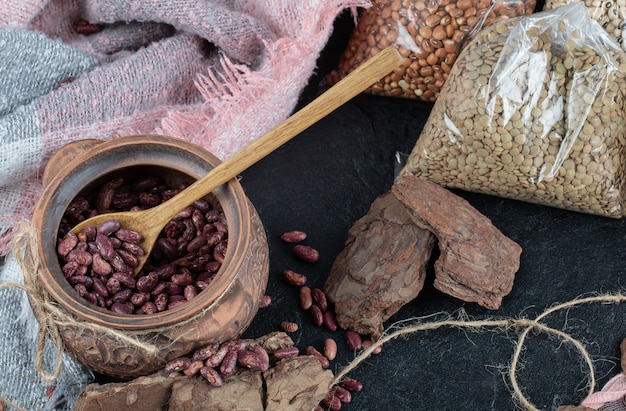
<point>220,313</point>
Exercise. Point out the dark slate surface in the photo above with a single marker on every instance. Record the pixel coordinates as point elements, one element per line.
<point>326,178</point>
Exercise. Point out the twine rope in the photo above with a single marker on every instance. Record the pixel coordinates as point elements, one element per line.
<point>415,325</point>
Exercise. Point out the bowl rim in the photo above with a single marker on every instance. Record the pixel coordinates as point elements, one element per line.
<point>237,216</point>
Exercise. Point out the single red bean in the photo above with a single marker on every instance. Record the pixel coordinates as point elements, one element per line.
<point>147,282</point>
<point>316,315</point>
<point>190,292</point>
<point>227,367</point>
<point>100,266</point>
<point>332,401</point>
<point>193,368</point>
<point>126,234</point>
<point>306,253</point>
<point>294,236</point>
<point>160,301</point>
<point>67,244</point>
<point>69,269</point>
<point>286,352</point>
<point>329,321</point>
<point>212,376</point>
<point>80,257</point>
<point>206,351</point>
<point>217,357</point>
<point>177,364</point>
<point>251,360</point>
<point>266,300</point>
<point>122,308</point>
<point>293,278</point>
<point>306,299</point>
<point>104,246</point>
<point>351,384</point>
<point>310,350</point>
<point>343,394</point>
<point>355,343</point>
<point>108,227</point>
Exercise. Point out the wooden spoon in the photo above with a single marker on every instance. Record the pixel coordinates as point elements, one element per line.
<point>149,223</point>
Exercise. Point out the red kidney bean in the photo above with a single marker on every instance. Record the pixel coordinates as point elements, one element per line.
<point>80,257</point>
<point>329,321</point>
<point>294,236</point>
<point>67,244</point>
<point>355,343</point>
<point>319,298</point>
<point>251,360</point>
<point>293,278</point>
<point>147,283</point>
<point>108,227</point>
<point>263,354</point>
<point>266,301</point>
<point>206,351</point>
<point>104,246</point>
<point>100,266</point>
<point>227,367</point>
<point>316,315</point>
<point>81,279</point>
<point>343,394</point>
<point>128,235</point>
<point>306,253</point>
<point>123,308</point>
<point>160,301</point>
<point>306,299</point>
<point>332,401</point>
<point>286,352</point>
<point>212,376</point>
<point>330,349</point>
<point>194,368</point>
<point>69,269</point>
<point>177,364</point>
<point>113,285</point>
<point>310,350</point>
<point>217,357</point>
<point>351,384</point>
<point>100,288</point>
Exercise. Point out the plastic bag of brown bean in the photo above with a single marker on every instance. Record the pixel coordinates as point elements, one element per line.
<point>428,33</point>
<point>610,14</point>
<point>533,110</point>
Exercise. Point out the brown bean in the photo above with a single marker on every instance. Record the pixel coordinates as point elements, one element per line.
<point>306,298</point>
<point>330,349</point>
<point>289,326</point>
<point>306,253</point>
<point>293,278</point>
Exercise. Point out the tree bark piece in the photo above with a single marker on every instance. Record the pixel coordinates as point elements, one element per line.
<point>241,391</point>
<point>477,262</point>
<point>150,393</point>
<point>381,268</point>
<point>296,383</point>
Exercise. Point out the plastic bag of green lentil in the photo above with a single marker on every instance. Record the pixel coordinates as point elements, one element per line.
<point>533,110</point>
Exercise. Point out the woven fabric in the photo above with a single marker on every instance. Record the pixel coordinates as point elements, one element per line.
<point>218,73</point>
<point>612,397</point>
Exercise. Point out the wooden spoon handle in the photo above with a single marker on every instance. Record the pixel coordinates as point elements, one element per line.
<point>354,83</point>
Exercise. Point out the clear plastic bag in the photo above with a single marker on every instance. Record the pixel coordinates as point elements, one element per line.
<point>533,110</point>
<point>610,14</point>
<point>429,34</point>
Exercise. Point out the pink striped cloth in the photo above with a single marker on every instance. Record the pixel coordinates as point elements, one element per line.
<point>218,73</point>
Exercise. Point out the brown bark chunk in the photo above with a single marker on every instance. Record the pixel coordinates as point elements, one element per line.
<point>150,393</point>
<point>241,391</point>
<point>381,268</point>
<point>296,383</point>
<point>478,262</point>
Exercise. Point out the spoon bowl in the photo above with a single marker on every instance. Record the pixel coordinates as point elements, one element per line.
<point>149,223</point>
